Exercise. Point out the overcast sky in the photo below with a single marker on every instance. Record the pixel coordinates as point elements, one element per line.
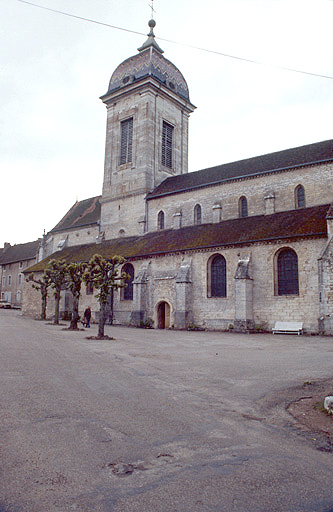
<point>54,68</point>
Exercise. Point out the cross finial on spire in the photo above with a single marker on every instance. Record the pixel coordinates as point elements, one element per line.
<point>152,9</point>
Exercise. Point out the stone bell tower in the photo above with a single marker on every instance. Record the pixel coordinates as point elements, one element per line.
<point>148,108</point>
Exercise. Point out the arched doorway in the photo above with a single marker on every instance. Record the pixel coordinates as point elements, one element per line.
<point>163,315</point>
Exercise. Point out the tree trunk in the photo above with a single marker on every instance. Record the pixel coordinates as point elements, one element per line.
<point>75,312</point>
<point>102,318</point>
<point>56,309</point>
<point>44,303</point>
<point>111,305</point>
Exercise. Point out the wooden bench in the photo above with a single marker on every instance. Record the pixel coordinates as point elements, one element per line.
<point>288,328</point>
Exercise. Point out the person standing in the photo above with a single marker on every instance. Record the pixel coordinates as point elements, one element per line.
<point>87,316</point>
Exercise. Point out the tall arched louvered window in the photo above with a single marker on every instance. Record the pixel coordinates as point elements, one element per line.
<point>128,290</point>
<point>300,196</point>
<point>197,214</point>
<point>287,272</point>
<point>217,275</point>
<point>160,220</point>
<point>242,206</point>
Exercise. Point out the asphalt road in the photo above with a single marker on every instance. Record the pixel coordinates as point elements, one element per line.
<point>157,421</point>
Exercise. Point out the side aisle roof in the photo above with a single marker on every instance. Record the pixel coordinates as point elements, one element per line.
<point>288,225</point>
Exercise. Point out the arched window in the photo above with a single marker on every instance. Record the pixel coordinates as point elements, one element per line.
<point>197,214</point>
<point>160,220</point>
<point>217,276</point>
<point>242,206</point>
<point>300,196</point>
<point>287,272</point>
<point>128,290</point>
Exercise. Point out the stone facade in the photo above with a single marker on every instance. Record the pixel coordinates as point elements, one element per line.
<point>251,302</point>
<point>325,276</point>
<point>208,249</point>
<point>277,188</point>
<point>126,185</point>
<point>68,238</point>
<point>14,260</point>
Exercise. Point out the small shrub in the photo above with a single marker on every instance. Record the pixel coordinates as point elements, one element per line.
<point>147,324</point>
<point>193,327</point>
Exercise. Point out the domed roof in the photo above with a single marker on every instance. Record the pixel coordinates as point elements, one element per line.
<point>149,62</point>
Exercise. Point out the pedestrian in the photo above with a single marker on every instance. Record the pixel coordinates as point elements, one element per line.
<point>87,316</point>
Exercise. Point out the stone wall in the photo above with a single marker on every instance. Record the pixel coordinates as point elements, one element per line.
<point>14,291</point>
<point>70,237</point>
<point>181,281</point>
<point>32,304</point>
<point>325,268</point>
<point>258,293</point>
<point>316,180</point>
<point>125,186</point>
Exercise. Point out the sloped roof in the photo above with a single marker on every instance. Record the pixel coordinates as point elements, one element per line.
<point>81,214</point>
<point>19,252</point>
<point>272,162</point>
<point>294,224</point>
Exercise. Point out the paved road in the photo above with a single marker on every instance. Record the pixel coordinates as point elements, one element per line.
<point>156,421</point>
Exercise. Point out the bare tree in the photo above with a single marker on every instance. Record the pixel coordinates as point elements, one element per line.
<point>41,285</point>
<point>56,272</point>
<point>74,277</point>
<point>104,276</point>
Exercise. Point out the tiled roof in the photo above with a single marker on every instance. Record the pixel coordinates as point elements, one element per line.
<point>81,214</point>
<point>272,162</point>
<point>19,252</point>
<point>149,63</point>
<point>295,224</point>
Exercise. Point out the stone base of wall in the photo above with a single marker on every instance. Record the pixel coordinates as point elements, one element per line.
<point>182,319</point>
<point>137,317</point>
<point>243,325</point>
<point>325,326</point>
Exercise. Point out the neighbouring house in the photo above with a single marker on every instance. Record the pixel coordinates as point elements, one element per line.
<point>14,259</point>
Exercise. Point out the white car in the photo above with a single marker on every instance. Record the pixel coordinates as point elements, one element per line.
<point>5,305</point>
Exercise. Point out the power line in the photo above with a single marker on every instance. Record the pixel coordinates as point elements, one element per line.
<point>243,59</point>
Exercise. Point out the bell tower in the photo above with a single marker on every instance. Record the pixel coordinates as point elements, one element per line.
<point>148,108</point>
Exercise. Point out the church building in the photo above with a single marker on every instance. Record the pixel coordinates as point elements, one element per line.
<point>237,246</point>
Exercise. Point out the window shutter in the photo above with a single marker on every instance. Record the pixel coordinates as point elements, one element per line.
<point>126,141</point>
<point>167,138</point>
